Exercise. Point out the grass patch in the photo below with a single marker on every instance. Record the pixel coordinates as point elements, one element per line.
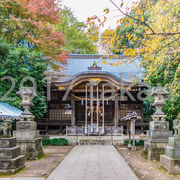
<point>144,154</point>
<point>17,172</point>
<point>42,156</point>
<point>165,172</point>
<point>3,136</point>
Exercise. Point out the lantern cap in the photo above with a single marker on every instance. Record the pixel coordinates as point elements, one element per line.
<point>30,91</point>
<point>159,91</point>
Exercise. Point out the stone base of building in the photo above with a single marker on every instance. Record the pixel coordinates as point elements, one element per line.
<point>10,159</point>
<point>93,140</point>
<point>100,131</point>
<point>28,139</point>
<point>171,160</point>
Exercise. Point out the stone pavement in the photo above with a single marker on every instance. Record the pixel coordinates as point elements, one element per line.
<point>23,178</point>
<point>94,162</point>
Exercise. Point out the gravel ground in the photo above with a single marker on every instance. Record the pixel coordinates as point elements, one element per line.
<point>145,169</point>
<point>44,166</point>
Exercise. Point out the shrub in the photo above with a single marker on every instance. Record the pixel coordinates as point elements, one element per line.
<point>45,142</point>
<point>137,142</point>
<point>55,142</point>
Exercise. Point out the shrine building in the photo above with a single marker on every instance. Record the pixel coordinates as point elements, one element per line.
<point>92,95</point>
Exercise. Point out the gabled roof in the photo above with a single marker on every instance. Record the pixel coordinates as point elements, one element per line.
<point>82,64</point>
<point>8,111</point>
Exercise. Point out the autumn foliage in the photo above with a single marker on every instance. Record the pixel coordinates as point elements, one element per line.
<point>150,30</point>
<point>32,22</point>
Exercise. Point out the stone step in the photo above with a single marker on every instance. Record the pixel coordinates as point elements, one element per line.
<point>95,142</point>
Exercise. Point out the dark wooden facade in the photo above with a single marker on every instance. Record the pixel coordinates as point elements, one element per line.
<point>59,113</point>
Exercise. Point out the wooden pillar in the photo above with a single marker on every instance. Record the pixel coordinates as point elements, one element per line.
<point>133,132</point>
<point>86,110</point>
<point>129,132</point>
<point>73,113</point>
<point>116,124</point>
<point>91,102</point>
<point>103,110</point>
<point>97,109</point>
<point>46,127</point>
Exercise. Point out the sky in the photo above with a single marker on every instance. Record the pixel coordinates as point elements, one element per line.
<point>86,8</point>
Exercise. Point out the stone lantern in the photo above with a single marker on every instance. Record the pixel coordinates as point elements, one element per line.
<point>158,133</point>
<point>27,94</point>
<point>26,132</point>
<point>159,93</point>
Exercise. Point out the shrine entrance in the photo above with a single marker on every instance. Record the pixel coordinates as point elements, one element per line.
<point>94,103</point>
<point>97,125</point>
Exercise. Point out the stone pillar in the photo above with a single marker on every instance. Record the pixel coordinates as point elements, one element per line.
<point>26,132</point>
<point>116,111</point>
<point>73,113</point>
<point>10,159</point>
<point>157,136</point>
<point>171,160</point>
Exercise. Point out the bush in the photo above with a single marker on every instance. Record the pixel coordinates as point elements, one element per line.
<point>55,142</point>
<point>137,142</point>
<point>45,142</point>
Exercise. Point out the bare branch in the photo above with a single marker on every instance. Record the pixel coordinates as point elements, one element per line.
<point>162,34</point>
<point>156,52</point>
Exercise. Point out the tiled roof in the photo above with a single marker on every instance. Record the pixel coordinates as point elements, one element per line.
<point>8,111</point>
<point>78,64</point>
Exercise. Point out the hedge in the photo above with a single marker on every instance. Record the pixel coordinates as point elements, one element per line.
<point>137,142</point>
<point>55,142</point>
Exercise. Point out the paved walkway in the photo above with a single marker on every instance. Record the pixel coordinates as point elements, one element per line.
<point>95,162</point>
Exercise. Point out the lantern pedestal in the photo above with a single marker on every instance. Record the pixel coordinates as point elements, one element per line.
<point>26,129</point>
<point>28,139</point>
<point>157,138</point>
<point>10,159</point>
<point>158,134</point>
<point>170,161</point>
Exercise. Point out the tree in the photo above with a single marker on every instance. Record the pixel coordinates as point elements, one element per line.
<point>18,62</point>
<point>93,33</point>
<point>77,40</point>
<point>33,22</point>
<point>107,40</point>
<point>150,30</point>
<point>128,37</point>
<point>158,48</point>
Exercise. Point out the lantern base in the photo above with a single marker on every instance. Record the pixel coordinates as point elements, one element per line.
<point>28,139</point>
<point>10,159</point>
<point>170,161</point>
